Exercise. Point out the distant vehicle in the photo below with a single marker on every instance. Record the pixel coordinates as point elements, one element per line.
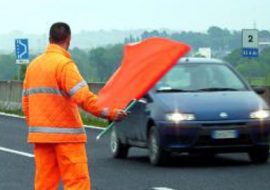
<point>202,106</point>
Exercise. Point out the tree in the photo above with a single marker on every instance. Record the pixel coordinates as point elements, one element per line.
<point>218,37</point>
<point>154,33</point>
<point>234,40</point>
<point>81,59</point>
<point>145,35</point>
<point>130,39</point>
<point>105,61</point>
<point>234,57</point>
<point>251,67</point>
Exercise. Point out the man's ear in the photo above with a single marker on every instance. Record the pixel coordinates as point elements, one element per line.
<point>67,42</point>
<point>69,38</point>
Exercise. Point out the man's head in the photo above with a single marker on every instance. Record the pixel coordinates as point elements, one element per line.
<point>60,34</point>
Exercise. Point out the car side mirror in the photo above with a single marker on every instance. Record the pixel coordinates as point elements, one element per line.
<point>147,98</point>
<point>259,90</point>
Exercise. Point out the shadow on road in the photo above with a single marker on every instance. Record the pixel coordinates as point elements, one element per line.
<point>185,161</point>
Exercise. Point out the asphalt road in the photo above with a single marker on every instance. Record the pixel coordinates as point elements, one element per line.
<point>225,172</point>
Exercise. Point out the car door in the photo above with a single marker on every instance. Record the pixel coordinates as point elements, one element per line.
<point>132,126</point>
<point>141,115</point>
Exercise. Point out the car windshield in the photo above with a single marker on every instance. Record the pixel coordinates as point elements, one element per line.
<point>188,77</point>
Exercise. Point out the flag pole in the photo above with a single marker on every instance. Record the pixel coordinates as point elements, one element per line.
<point>111,125</point>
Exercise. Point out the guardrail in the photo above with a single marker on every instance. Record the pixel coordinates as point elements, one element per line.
<point>11,94</point>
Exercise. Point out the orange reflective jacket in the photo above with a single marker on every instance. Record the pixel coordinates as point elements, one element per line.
<point>52,89</point>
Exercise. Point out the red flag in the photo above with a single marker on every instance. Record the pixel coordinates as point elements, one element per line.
<point>142,66</point>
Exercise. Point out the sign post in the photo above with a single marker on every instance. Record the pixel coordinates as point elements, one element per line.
<point>22,53</point>
<point>250,43</point>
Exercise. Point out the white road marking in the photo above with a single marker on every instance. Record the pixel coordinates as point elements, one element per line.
<point>16,152</point>
<point>22,117</point>
<point>162,188</point>
<point>11,115</point>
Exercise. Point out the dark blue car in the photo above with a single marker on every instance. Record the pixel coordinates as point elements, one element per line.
<point>200,106</point>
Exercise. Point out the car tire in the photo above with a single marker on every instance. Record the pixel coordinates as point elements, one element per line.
<point>259,155</point>
<point>157,156</point>
<point>118,149</point>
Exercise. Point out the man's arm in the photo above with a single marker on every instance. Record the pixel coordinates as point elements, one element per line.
<point>77,89</point>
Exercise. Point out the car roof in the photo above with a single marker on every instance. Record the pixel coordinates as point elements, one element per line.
<point>200,60</point>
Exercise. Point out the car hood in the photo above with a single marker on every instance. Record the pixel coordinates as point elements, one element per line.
<point>211,105</point>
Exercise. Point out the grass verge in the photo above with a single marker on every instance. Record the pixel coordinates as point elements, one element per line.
<point>87,118</point>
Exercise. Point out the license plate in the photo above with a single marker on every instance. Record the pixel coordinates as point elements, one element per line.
<point>224,134</point>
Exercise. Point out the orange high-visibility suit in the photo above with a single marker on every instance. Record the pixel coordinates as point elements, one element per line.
<point>52,89</point>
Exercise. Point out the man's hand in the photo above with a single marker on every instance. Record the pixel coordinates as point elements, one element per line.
<point>120,115</point>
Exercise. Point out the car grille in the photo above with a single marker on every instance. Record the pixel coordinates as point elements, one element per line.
<point>239,124</point>
<point>171,139</point>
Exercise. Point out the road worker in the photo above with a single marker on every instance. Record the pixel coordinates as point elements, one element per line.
<point>52,89</point>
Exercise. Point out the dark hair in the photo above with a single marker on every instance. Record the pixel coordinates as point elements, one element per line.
<point>59,32</point>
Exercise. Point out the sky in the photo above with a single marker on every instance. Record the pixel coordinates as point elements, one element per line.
<point>36,16</point>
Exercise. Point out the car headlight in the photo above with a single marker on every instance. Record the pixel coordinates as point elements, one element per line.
<point>260,114</point>
<point>178,117</point>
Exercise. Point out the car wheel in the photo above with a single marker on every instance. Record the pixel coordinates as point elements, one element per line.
<point>118,149</point>
<point>157,156</point>
<point>259,155</point>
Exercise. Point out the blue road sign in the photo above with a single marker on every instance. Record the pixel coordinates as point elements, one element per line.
<point>250,52</point>
<point>22,51</point>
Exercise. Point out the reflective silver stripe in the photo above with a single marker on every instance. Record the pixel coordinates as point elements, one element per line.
<point>77,87</point>
<point>56,130</point>
<point>41,90</point>
<point>105,113</point>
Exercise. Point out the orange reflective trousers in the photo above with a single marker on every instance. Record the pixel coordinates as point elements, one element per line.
<point>61,161</point>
